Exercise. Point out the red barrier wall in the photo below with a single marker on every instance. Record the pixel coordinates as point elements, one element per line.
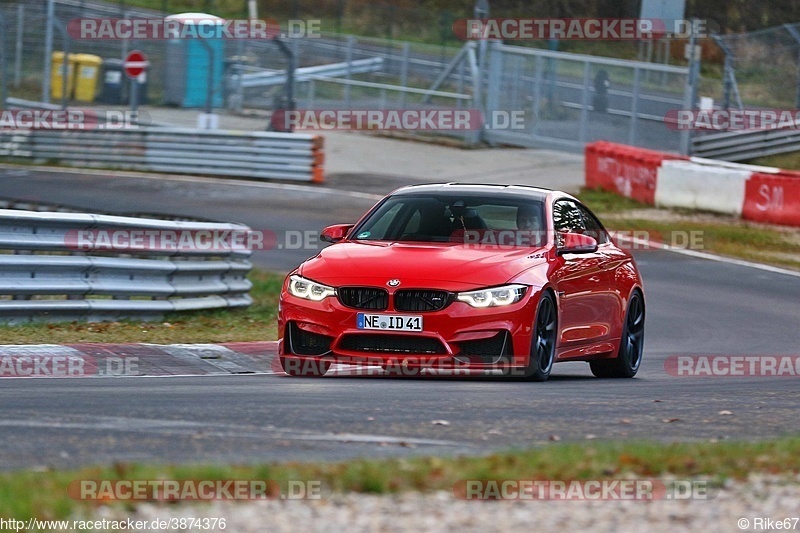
<point>773,198</point>
<point>625,170</point>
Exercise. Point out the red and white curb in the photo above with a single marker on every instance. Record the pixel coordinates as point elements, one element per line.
<point>150,360</point>
<point>125,360</point>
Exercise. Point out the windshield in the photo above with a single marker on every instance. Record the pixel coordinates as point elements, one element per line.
<point>456,218</point>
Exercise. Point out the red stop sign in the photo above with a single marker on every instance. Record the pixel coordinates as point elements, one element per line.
<point>135,64</point>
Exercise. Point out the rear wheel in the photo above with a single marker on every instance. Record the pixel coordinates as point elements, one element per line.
<point>304,367</point>
<point>543,346</point>
<point>631,346</point>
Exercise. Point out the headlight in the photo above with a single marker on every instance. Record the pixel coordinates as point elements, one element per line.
<point>309,290</point>
<point>496,297</point>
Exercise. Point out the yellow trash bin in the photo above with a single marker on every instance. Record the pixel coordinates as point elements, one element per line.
<point>56,73</point>
<point>87,73</point>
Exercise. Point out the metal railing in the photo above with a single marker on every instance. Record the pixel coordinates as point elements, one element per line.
<point>257,155</point>
<point>46,275</point>
<point>262,78</point>
<point>744,145</point>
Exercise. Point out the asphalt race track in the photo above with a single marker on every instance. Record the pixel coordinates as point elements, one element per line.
<point>695,307</point>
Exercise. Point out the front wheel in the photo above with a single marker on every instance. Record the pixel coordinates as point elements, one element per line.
<point>545,333</point>
<point>631,346</point>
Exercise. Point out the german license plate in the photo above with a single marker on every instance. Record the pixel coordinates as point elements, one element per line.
<point>389,322</point>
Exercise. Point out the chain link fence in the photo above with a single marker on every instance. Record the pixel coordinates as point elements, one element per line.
<point>567,99</point>
<point>766,64</point>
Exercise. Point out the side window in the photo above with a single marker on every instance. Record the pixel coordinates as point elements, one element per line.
<point>567,218</point>
<point>593,226</point>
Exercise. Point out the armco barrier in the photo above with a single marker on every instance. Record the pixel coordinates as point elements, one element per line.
<point>44,275</point>
<point>626,170</point>
<point>258,155</point>
<point>760,194</point>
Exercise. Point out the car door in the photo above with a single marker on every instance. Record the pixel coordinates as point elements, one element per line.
<point>612,259</point>
<point>580,284</point>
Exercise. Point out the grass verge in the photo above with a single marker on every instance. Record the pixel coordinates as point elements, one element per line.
<point>255,323</point>
<point>788,161</point>
<point>717,234</point>
<point>44,495</point>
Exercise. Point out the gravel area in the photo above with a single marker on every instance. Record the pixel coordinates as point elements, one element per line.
<point>763,497</point>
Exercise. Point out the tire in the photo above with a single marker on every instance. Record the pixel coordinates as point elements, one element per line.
<point>543,344</point>
<point>631,345</point>
<point>308,368</point>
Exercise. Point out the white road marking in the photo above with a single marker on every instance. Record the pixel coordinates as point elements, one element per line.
<point>652,245</point>
<point>188,427</point>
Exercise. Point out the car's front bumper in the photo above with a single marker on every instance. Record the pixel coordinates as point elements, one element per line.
<point>453,337</point>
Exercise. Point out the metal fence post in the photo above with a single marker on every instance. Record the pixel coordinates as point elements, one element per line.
<point>493,85</point>
<point>48,51</point>
<point>460,80</point>
<point>62,29</point>
<point>796,36</point>
<point>634,106</point>
<point>124,55</point>
<point>537,91</point>
<point>690,94</point>
<point>585,107</point>
<point>3,63</point>
<point>404,73</point>
<point>18,49</point>
<point>291,64</point>
<point>351,41</point>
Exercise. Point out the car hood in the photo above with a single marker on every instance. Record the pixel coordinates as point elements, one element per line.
<point>448,266</point>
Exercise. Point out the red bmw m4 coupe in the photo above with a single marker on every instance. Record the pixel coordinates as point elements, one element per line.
<point>467,277</point>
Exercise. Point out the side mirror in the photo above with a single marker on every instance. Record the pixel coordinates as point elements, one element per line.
<point>575,243</point>
<point>335,233</point>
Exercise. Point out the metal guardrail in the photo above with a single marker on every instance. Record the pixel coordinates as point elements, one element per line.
<point>286,156</point>
<point>45,276</point>
<point>744,145</point>
<point>271,78</point>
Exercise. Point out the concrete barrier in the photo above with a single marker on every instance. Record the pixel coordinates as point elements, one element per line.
<point>626,170</point>
<point>694,186</point>
<point>773,198</point>
<point>760,194</point>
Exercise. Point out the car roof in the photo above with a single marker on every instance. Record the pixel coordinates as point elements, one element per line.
<point>488,189</point>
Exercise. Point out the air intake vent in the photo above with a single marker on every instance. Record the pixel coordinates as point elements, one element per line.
<point>396,344</point>
<point>307,343</point>
<point>364,298</point>
<point>421,300</point>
